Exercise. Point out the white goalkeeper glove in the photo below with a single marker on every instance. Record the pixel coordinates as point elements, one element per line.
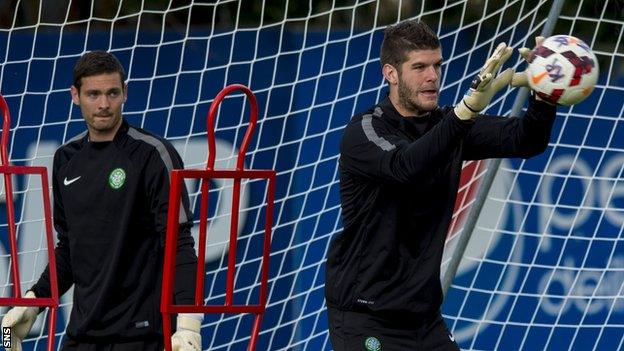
<point>20,319</point>
<point>521,79</point>
<point>486,84</point>
<point>187,336</point>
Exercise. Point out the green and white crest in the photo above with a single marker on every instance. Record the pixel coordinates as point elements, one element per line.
<point>117,178</point>
<point>372,344</point>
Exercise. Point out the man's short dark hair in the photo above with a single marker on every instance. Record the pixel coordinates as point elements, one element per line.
<point>97,62</point>
<point>404,37</point>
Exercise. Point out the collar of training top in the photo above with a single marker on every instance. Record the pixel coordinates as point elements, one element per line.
<point>390,111</point>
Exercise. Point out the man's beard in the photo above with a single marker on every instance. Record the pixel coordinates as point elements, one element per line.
<point>406,99</point>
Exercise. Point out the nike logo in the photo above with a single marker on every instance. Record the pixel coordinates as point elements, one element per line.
<point>538,77</point>
<point>69,181</point>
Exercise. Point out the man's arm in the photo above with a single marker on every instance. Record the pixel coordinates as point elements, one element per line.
<point>495,136</point>
<point>158,195</point>
<point>64,269</point>
<point>373,150</point>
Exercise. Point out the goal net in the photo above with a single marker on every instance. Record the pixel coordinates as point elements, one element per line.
<point>543,269</point>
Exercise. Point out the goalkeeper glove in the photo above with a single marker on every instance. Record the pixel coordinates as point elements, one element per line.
<point>522,79</point>
<point>187,336</point>
<point>20,319</point>
<point>486,84</point>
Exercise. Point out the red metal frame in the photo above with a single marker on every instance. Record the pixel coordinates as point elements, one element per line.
<point>177,176</point>
<point>7,170</point>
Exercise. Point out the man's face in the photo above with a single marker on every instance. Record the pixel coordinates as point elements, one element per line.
<point>101,98</point>
<point>419,81</point>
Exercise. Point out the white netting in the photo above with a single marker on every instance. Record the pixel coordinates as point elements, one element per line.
<point>312,65</point>
<point>544,269</point>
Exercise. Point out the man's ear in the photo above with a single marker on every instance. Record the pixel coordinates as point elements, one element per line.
<point>390,74</point>
<point>75,95</point>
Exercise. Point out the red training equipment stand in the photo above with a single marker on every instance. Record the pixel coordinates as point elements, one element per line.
<point>7,171</point>
<point>177,176</point>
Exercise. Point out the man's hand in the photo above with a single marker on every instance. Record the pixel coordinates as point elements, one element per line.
<point>187,336</point>
<point>521,79</point>
<point>20,319</point>
<point>486,84</point>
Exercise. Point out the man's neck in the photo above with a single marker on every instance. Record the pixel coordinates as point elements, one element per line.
<point>99,136</point>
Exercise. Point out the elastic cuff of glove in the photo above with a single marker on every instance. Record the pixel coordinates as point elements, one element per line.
<point>464,112</point>
<point>189,322</point>
<point>198,316</point>
<point>536,97</point>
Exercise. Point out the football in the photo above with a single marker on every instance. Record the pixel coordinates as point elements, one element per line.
<point>563,70</point>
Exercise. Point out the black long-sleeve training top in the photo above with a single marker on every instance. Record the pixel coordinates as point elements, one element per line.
<point>110,212</point>
<point>398,181</point>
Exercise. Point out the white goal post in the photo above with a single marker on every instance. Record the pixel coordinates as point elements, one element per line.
<point>544,268</point>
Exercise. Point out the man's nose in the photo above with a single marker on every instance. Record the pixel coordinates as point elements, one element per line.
<point>103,102</point>
<point>432,73</point>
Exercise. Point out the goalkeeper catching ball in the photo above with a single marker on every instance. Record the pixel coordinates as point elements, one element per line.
<point>111,189</point>
<point>400,165</point>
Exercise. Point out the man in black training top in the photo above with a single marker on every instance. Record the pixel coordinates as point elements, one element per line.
<point>111,192</point>
<point>400,167</point>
